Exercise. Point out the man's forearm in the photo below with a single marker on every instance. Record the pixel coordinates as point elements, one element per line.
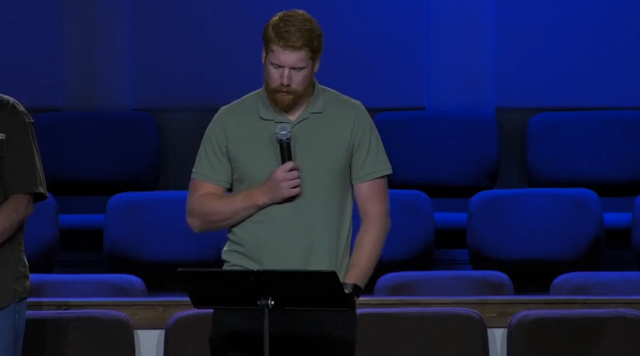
<point>210,212</point>
<point>366,252</point>
<point>13,214</point>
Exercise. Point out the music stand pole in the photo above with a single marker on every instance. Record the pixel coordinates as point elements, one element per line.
<point>265,304</point>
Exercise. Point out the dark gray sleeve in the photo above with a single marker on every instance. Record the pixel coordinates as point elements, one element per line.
<point>22,167</point>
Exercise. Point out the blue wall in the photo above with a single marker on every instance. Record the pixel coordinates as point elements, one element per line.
<point>443,54</point>
<point>568,53</point>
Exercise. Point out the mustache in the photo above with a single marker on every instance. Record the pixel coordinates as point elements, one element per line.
<point>284,90</point>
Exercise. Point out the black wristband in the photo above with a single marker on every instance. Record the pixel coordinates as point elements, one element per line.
<point>352,289</point>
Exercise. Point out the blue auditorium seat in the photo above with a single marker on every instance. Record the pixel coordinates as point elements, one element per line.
<point>90,156</point>
<point>412,233</point>
<point>151,228</point>
<point>598,150</point>
<point>448,155</point>
<point>79,332</point>
<point>545,231</point>
<point>42,237</point>
<point>597,284</point>
<point>87,286</point>
<point>635,231</point>
<point>421,332</point>
<point>595,332</point>
<point>188,333</point>
<point>444,284</point>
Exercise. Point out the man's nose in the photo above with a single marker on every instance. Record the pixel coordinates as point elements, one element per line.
<point>285,78</point>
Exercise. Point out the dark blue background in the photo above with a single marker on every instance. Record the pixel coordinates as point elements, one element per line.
<point>469,54</point>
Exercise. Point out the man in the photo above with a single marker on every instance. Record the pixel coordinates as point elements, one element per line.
<point>296,215</point>
<point>21,185</point>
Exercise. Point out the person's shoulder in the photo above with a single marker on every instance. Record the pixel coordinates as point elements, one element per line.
<point>12,111</point>
<point>6,101</point>
<point>230,117</point>
<point>10,103</point>
<point>239,108</point>
<point>344,107</point>
<point>334,98</point>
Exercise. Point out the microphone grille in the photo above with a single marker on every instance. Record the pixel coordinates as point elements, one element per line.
<point>283,132</point>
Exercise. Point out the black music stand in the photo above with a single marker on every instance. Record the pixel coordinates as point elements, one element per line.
<point>266,290</point>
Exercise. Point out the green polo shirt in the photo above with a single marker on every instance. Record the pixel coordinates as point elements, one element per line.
<point>20,173</point>
<point>336,146</point>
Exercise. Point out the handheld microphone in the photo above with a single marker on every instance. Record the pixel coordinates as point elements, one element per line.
<point>283,135</point>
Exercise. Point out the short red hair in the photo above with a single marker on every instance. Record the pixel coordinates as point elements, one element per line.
<point>293,30</point>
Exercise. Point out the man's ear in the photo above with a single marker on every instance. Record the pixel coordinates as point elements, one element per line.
<point>316,65</point>
<point>264,56</point>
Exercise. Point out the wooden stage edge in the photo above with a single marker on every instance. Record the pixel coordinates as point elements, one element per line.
<point>153,313</point>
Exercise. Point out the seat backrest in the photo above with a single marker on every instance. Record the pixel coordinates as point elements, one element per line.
<point>42,236</point>
<point>188,333</point>
<point>81,332</point>
<point>87,286</point>
<point>635,230</point>
<point>412,232</point>
<point>441,153</point>
<point>444,284</point>
<point>600,332</point>
<point>597,284</point>
<point>88,156</point>
<point>146,234</point>
<point>535,230</point>
<point>421,331</point>
<point>591,149</point>
<point>152,227</point>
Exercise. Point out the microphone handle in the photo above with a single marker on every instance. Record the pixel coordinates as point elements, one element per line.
<point>285,151</point>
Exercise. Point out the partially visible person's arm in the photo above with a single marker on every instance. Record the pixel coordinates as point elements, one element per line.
<point>210,207</point>
<point>372,198</point>
<point>23,178</point>
<point>13,214</point>
<point>369,168</point>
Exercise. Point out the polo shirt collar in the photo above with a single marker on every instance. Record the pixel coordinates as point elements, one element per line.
<point>316,106</point>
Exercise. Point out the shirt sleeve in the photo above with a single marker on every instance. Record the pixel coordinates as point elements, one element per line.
<point>368,158</point>
<point>212,161</point>
<point>22,171</point>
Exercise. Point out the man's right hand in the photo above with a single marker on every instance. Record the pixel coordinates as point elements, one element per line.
<point>282,184</point>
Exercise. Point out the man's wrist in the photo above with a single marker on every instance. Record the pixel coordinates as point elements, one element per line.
<point>261,198</point>
<point>352,289</point>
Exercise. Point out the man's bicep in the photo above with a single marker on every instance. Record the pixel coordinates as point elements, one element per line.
<point>372,198</point>
<point>198,197</point>
<point>212,163</point>
<point>22,171</point>
<point>368,158</point>
<point>199,187</point>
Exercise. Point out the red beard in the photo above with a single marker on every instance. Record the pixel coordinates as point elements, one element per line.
<point>286,99</point>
